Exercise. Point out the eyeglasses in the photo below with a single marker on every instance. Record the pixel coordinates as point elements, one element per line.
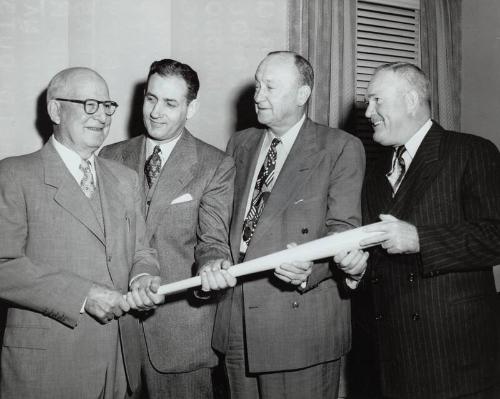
<point>91,106</point>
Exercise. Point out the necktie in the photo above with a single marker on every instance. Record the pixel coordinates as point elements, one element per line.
<point>152,167</point>
<point>397,172</point>
<point>261,192</point>
<point>87,183</point>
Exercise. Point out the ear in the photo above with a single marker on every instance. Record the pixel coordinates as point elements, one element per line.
<point>54,111</point>
<point>192,108</point>
<point>412,101</point>
<point>303,95</point>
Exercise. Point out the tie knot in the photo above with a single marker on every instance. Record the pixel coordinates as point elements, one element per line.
<point>400,151</point>
<point>156,150</point>
<point>275,142</point>
<point>85,165</point>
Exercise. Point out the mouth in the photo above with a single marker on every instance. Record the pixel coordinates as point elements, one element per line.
<point>96,129</point>
<point>376,122</point>
<point>154,123</point>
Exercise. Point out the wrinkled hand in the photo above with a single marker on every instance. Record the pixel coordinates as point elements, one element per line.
<point>105,304</point>
<point>352,263</point>
<point>398,236</point>
<point>143,293</point>
<point>294,273</point>
<point>215,276</point>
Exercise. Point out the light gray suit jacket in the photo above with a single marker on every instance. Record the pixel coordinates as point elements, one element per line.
<point>186,235</point>
<point>316,193</point>
<point>51,250</point>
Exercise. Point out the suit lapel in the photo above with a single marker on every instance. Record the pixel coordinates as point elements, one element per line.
<point>69,195</point>
<point>378,188</point>
<point>175,175</point>
<point>422,171</point>
<point>134,156</point>
<point>301,160</point>
<point>112,211</point>
<point>246,156</point>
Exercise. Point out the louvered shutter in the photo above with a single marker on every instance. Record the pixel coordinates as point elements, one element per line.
<point>386,31</point>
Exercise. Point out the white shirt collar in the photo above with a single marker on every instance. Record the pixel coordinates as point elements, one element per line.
<point>288,138</point>
<point>166,148</point>
<point>415,140</point>
<point>72,160</point>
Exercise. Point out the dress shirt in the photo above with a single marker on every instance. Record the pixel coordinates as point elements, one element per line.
<point>73,161</point>
<point>412,145</point>
<point>166,148</point>
<point>282,151</point>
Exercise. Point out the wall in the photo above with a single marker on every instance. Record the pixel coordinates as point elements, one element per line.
<point>481,73</point>
<point>222,39</point>
<point>481,68</point>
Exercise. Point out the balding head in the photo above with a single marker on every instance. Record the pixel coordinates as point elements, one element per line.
<point>68,80</point>
<point>282,90</point>
<point>73,127</point>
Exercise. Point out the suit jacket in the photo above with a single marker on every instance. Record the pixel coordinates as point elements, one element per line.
<point>52,249</point>
<point>317,192</point>
<point>187,235</point>
<point>434,312</point>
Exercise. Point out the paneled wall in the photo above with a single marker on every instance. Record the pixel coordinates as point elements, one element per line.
<point>222,39</point>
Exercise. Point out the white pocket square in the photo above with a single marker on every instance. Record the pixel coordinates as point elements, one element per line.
<point>183,198</point>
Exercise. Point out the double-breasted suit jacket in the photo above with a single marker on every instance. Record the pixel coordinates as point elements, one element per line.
<point>317,192</point>
<point>52,248</point>
<point>434,311</point>
<point>187,234</point>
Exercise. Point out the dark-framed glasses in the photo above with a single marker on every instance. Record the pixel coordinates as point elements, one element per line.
<point>91,106</point>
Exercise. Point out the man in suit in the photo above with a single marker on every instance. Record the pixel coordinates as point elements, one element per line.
<point>283,334</point>
<point>71,232</point>
<point>432,289</point>
<point>187,196</point>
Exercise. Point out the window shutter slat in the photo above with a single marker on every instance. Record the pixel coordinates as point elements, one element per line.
<point>386,31</point>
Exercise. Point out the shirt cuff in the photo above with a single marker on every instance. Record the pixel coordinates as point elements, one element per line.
<point>136,277</point>
<point>82,310</point>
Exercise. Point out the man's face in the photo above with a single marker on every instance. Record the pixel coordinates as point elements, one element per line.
<point>387,108</point>
<point>277,93</point>
<point>165,109</point>
<point>77,130</point>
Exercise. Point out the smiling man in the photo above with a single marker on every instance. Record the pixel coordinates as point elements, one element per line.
<point>432,306</point>
<point>187,197</point>
<point>283,334</point>
<point>71,232</point>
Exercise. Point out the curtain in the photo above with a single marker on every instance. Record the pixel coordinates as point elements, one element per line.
<point>441,58</point>
<point>324,33</point>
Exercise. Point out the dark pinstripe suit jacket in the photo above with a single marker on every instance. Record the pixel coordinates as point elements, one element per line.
<point>434,312</point>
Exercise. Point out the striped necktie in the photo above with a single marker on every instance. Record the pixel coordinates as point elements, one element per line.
<point>398,170</point>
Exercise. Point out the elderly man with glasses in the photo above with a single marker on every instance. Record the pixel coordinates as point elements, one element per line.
<point>71,233</point>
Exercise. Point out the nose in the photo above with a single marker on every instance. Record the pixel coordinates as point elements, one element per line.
<point>259,95</point>
<point>369,110</point>
<point>99,114</point>
<point>156,110</point>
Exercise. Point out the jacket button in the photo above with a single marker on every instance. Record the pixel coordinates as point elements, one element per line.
<point>148,202</point>
<point>295,304</point>
<point>305,230</point>
<point>109,258</point>
<point>375,280</point>
<point>415,316</point>
<point>378,317</point>
<point>411,277</point>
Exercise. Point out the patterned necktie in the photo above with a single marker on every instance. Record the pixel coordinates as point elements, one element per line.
<point>397,172</point>
<point>87,183</point>
<point>261,192</point>
<point>152,167</point>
